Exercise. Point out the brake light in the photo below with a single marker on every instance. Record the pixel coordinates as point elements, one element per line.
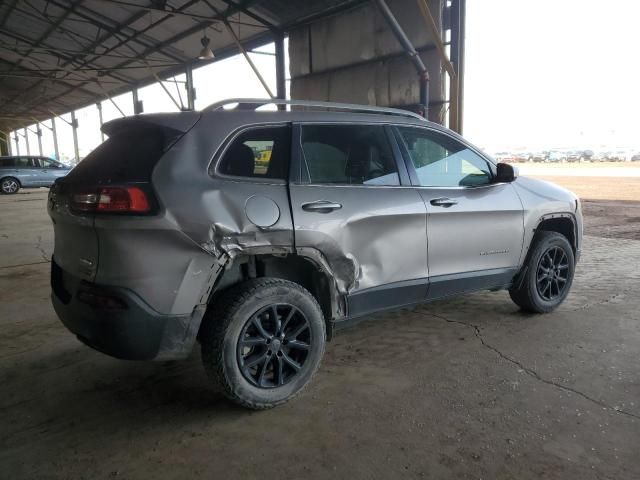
<point>124,199</point>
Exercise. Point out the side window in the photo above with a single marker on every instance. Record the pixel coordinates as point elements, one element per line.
<point>35,162</point>
<point>348,154</point>
<point>46,163</point>
<point>441,161</point>
<point>8,162</point>
<point>23,162</point>
<point>261,152</point>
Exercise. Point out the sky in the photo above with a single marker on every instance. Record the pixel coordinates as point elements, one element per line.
<point>552,73</point>
<point>539,74</point>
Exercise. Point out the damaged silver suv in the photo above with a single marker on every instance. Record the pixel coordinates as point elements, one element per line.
<point>257,233</point>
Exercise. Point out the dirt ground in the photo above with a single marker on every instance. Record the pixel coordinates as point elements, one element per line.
<point>611,205</point>
<point>468,388</point>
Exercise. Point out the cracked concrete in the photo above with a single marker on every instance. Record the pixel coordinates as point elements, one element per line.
<point>463,388</point>
<point>529,370</point>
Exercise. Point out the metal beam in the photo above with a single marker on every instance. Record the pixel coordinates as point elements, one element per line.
<point>26,139</point>
<point>453,77</point>
<point>241,48</point>
<point>423,74</point>
<point>281,87</point>
<point>55,137</point>
<point>191,90</point>
<point>137,104</point>
<point>99,20</point>
<point>99,107</point>
<point>256,41</point>
<point>181,13</point>
<point>51,29</point>
<point>74,127</point>
<point>39,134</point>
<point>8,13</point>
<point>112,31</point>
<point>249,13</point>
<point>458,17</point>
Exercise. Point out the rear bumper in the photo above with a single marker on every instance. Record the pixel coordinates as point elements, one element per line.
<point>117,322</point>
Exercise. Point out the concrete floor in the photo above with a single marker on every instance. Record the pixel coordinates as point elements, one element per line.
<point>466,388</point>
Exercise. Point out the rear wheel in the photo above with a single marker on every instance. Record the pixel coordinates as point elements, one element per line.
<point>548,274</point>
<point>262,342</point>
<point>9,185</point>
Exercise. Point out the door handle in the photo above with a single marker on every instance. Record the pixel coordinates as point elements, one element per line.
<point>321,206</point>
<point>443,202</point>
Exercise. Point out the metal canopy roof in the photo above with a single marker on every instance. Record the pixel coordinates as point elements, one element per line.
<point>60,55</point>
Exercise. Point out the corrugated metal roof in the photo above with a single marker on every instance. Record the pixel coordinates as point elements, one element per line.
<point>58,55</point>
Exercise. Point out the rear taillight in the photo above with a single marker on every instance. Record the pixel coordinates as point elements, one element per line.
<point>124,199</point>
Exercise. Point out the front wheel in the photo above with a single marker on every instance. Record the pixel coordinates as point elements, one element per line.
<point>9,185</point>
<point>262,342</point>
<point>548,274</point>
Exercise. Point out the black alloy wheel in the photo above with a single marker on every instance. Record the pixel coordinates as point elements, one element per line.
<point>547,274</point>
<point>274,345</point>
<point>553,273</point>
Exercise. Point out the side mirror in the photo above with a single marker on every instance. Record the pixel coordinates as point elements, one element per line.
<point>506,173</point>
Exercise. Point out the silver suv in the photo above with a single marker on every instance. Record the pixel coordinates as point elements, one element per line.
<point>257,233</point>
<point>29,171</point>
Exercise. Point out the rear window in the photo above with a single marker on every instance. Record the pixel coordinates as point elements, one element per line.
<point>7,162</point>
<point>127,156</point>
<point>261,152</point>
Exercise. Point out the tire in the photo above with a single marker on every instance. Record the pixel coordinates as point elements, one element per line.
<point>542,288</point>
<point>273,380</point>
<point>9,185</point>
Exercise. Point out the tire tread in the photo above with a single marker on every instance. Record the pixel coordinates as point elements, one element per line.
<point>216,323</point>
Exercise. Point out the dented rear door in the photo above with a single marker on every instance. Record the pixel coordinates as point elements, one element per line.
<point>349,202</point>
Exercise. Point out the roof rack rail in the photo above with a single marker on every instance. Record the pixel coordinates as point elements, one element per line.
<point>255,103</point>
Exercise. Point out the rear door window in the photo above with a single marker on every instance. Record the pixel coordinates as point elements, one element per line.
<point>261,152</point>
<point>348,154</point>
<point>8,162</point>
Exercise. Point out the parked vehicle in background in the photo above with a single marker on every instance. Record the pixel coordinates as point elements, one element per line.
<point>588,155</point>
<point>575,156</point>
<point>635,158</point>
<point>504,157</point>
<point>617,156</point>
<point>520,157</point>
<point>537,157</point>
<point>555,156</point>
<point>29,171</point>
<point>173,230</point>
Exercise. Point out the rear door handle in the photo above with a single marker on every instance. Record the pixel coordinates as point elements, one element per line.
<point>321,206</point>
<point>443,202</point>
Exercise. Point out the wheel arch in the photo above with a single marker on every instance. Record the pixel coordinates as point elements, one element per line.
<point>562,223</point>
<point>302,269</point>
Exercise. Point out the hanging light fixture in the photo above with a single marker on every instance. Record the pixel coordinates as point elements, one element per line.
<point>206,53</point>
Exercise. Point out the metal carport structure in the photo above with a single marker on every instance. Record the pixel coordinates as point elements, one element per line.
<point>57,56</point>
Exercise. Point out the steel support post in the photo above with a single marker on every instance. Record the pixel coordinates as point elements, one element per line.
<point>281,87</point>
<point>74,127</point>
<point>137,104</point>
<point>26,139</point>
<point>99,107</point>
<point>423,74</point>
<point>39,134</point>
<point>55,137</point>
<point>191,90</point>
